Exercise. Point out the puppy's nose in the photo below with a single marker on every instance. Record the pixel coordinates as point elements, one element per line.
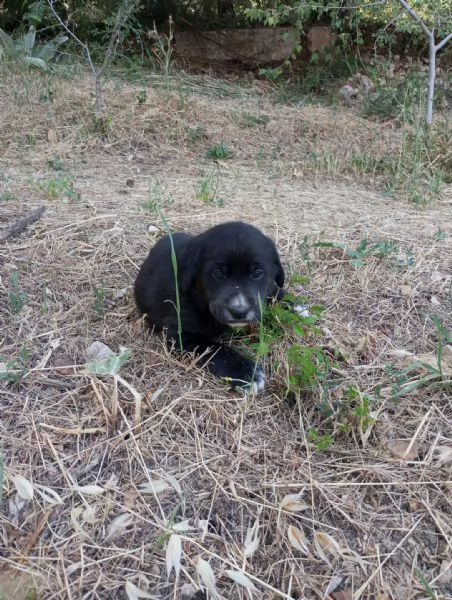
<point>238,307</point>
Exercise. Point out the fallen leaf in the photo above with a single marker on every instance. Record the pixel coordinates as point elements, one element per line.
<point>182,526</point>
<point>252,540</point>
<point>333,584</point>
<point>404,449</point>
<point>297,539</point>
<point>173,483</point>
<point>291,503</point>
<point>406,290</point>
<point>241,579</point>
<point>119,523</point>
<point>173,555</point>
<point>155,486</point>
<point>48,494</point>
<point>134,593</point>
<point>444,454</point>
<point>325,543</point>
<point>207,577</point>
<point>24,487</point>
<point>52,136</point>
<point>91,490</point>
<point>342,594</point>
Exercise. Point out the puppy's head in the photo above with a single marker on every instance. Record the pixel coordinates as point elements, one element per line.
<point>236,268</point>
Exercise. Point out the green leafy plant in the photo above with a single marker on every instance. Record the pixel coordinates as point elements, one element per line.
<point>354,410</point>
<point>309,366</point>
<point>219,152</point>
<point>141,96</point>
<point>24,50</point>
<point>364,249</point>
<point>15,369</point>
<point>320,441</point>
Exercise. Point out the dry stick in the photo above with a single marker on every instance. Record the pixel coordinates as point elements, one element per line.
<point>23,222</point>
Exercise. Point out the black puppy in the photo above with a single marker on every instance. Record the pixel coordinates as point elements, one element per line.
<point>224,276</point>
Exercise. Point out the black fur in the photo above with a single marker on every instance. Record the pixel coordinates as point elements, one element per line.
<point>224,276</point>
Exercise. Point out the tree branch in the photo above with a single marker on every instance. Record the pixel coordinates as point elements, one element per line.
<point>416,18</point>
<point>443,42</point>
<point>73,36</point>
<point>21,223</point>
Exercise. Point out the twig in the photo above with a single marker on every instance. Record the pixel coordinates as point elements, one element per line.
<point>34,536</point>
<point>21,223</point>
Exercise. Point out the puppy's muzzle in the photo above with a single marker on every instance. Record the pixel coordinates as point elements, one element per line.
<point>237,311</point>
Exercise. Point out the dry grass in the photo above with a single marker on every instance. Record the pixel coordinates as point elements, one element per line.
<point>230,461</point>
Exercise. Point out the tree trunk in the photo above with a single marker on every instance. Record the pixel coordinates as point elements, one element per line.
<point>431,77</point>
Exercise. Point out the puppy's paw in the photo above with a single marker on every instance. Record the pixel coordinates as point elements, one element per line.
<point>257,385</point>
<point>250,382</point>
<point>301,310</point>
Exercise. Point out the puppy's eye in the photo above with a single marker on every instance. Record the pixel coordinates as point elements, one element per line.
<point>218,274</point>
<point>257,273</point>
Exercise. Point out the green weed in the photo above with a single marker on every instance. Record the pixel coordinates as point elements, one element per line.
<point>100,303</point>
<point>364,250</point>
<point>428,589</point>
<point>14,370</point>
<point>141,97</point>
<point>176,280</point>
<point>420,374</point>
<point>102,124</point>
<point>55,163</point>
<point>440,235</point>
<point>206,189</point>
<point>30,139</point>
<point>320,441</point>
<point>195,134</point>
<point>354,411</point>
<point>7,197</point>
<point>62,188</point>
<point>219,152</point>
<point>309,366</point>
<point>159,198</point>
<point>163,48</point>
<point>18,298</point>
<point>252,120</point>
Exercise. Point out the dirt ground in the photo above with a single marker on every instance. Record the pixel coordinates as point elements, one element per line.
<point>243,505</point>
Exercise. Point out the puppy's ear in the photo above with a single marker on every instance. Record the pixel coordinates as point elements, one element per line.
<point>189,266</point>
<point>279,276</point>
